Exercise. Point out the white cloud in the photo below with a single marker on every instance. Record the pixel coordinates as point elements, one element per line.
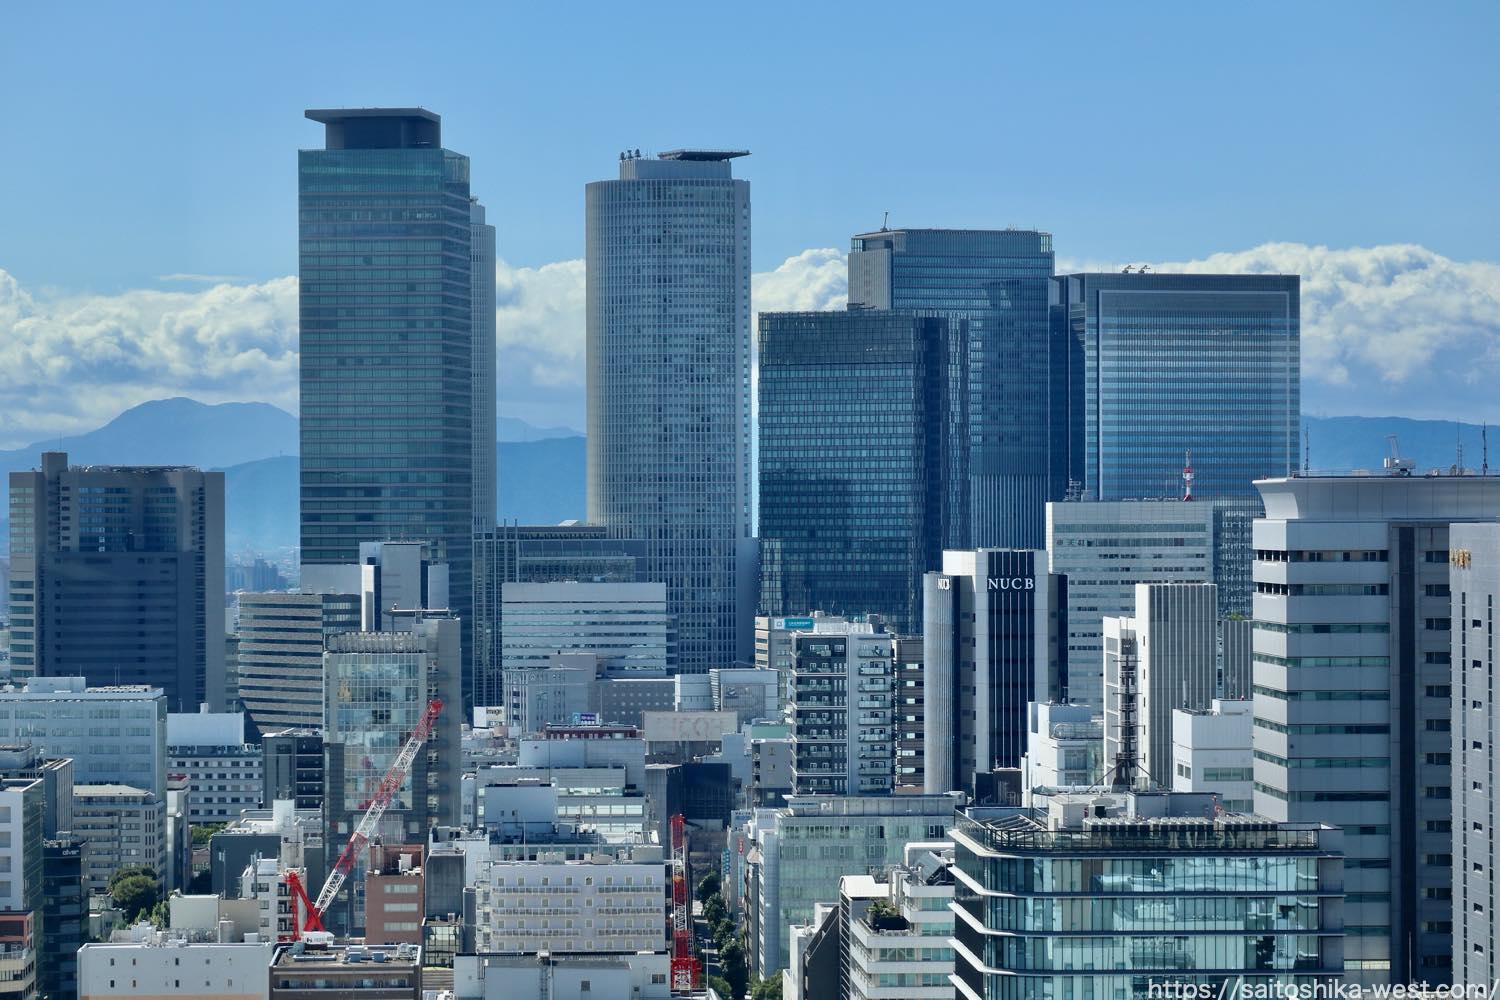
<point>1394,329</point>
<point>1390,329</point>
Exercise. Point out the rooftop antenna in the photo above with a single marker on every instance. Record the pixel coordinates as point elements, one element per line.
<point>1484,449</point>
<point>1187,475</point>
<point>885,223</point>
<point>1306,448</point>
<point>1145,268</point>
<point>1127,269</point>
<point>1458,437</point>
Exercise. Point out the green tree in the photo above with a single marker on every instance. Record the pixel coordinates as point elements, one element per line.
<point>732,961</point>
<point>202,831</point>
<point>766,989</point>
<point>135,894</point>
<point>126,871</point>
<point>723,933</point>
<point>721,986</point>
<point>709,886</point>
<point>713,910</point>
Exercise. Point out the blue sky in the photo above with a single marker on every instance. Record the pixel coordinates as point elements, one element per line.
<point>150,140</point>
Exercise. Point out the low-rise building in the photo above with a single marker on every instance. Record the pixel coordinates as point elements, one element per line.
<point>314,968</point>
<point>224,774</point>
<point>156,964</point>
<point>18,955</point>
<point>900,951</point>
<point>120,826</point>
<point>599,906</point>
<point>1064,748</point>
<point>1211,752</point>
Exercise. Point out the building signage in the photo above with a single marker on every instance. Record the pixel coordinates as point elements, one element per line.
<point>1460,558</point>
<point>793,623</point>
<point>1012,583</point>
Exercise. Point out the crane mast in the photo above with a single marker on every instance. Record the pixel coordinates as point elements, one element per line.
<point>377,805</point>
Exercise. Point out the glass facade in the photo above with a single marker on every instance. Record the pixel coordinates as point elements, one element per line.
<point>858,462</point>
<point>1126,909</point>
<point>385,307</point>
<point>669,457</point>
<point>997,282</point>
<point>1207,364</point>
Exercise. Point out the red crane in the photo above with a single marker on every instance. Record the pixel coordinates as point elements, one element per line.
<point>389,785</point>
<point>684,965</point>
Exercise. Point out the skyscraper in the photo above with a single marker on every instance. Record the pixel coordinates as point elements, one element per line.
<point>482,663</point>
<point>669,456</point>
<point>1016,368</point>
<point>387,341</point>
<point>116,575</point>
<point>860,464</point>
<point>1178,364</point>
<point>1353,696</point>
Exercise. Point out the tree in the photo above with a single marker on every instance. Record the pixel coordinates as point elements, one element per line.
<point>709,886</point>
<point>732,962</point>
<point>723,933</point>
<point>713,910</point>
<point>721,986</point>
<point>766,989</point>
<point>202,831</point>
<point>125,871</point>
<point>135,894</point>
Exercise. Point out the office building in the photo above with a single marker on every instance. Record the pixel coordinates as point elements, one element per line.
<point>1179,365</point>
<point>669,354</point>
<point>624,625</point>
<point>642,976</point>
<point>510,553</point>
<point>841,709</point>
<point>21,854</point>
<point>385,309</point>
<point>292,767</point>
<point>1106,548</point>
<point>482,368</point>
<point>306,970</point>
<point>281,655</point>
<point>1474,565</point>
<point>115,574</point>
<point>18,954</point>
<point>120,825</point>
<point>23,760</point>
<point>911,715</point>
<point>1199,901</point>
<point>1012,368</point>
<point>379,687</point>
<point>1353,695</point>
<point>860,441</point>
<point>1064,748</point>
<point>994,620</point>
<point>167,963</point>
<point>114,733</point>
<point>590,907</point>
<point>65,913</point>
<point>224,774</point>
<point>1175,655</point>
<point>795,855</point>
<point>1211,753</point>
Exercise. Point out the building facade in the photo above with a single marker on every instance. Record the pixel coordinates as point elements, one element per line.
<point>860,443</point>
<point>281,655</point>
<point>842,710</point>
<point>120,825</point>
<point>1012,369</point>
<point>624,625</point>
<point>1211,753</point>
<point>114,733</point>
<point>1064,748</point>
<point>1106,896</point>
<point>385,310</point>
<point>115,575</point>
<point>561,907</point>
<point>1353,709</point>
<point>1184,369</point>
<point>992,634</point>
<point>669,354</point>
<point>1175,638</point>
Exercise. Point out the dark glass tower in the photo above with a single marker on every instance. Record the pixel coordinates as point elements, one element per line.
<point>859,462</point>
<point>996,281</point>
<point>386,338</point>
<point>1176,363</point>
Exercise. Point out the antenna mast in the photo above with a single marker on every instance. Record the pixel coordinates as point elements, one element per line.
<point>1187,475</point>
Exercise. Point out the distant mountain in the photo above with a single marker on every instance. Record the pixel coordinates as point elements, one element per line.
<point>516,429</point>
<point>175,431</point>
<point>1360,442</point>
<point>540,482</point>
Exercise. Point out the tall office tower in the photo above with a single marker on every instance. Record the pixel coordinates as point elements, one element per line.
<point>624,625</point>
<point>1353,695</point>
<point>387,342</point>
<point>483,654</point>
<point>65,916</point>
<point>378,686</point>
<point>1106,549</point>
<point>115,576</point>
<point>994,621</point>
<point>1179,365</point>
<point>669,454</point>
<point>996,282</point>
<point>1210,904</point>
<point>841,709</point>
<point>1175,667</point>
<point>1474,562</point>
<point>281,655</point>
<point>860,460</point>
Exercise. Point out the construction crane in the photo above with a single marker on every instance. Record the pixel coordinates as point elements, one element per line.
<point>684,965</point>
<point>375,808</point>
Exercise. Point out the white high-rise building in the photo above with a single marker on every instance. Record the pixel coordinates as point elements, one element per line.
<point>1211,753</point>
<point>669,451</point>
<point>842,710</point>
<point>1353,695</point>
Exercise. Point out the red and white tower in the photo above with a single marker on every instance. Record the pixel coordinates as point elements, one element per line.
<point>684,965</point>
<point>1187,475</point>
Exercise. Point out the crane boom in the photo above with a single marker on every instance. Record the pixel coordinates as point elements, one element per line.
<point>389,785</point>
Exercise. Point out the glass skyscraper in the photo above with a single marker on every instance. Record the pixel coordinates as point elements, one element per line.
<point>996,281</point>
<point>1207,364</point>
<point>386,312</point>
<point>669,456</point>
<point>859,465</point>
